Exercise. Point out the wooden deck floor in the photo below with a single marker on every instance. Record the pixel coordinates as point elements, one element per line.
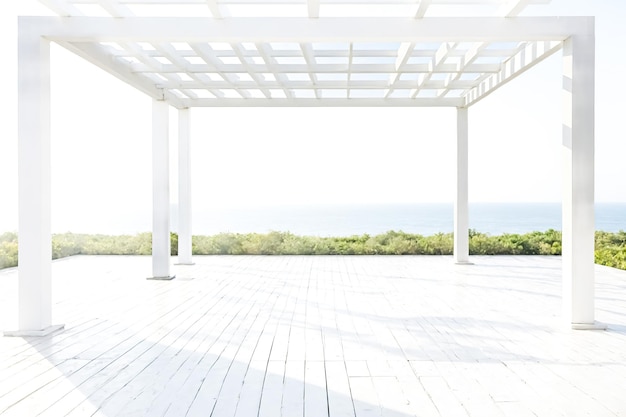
<point>315,336</point>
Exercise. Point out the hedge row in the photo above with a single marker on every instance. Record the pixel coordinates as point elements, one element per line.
<point>610,247</point>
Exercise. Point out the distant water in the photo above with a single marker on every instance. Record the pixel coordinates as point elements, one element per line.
<point>425,219</point>
<point>345,220</point>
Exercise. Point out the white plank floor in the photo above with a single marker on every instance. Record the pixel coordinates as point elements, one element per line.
<point>334,336</point>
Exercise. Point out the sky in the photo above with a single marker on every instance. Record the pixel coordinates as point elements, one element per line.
<point>101,141</point>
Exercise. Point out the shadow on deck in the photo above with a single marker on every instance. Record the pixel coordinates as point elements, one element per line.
<point>316,336</point>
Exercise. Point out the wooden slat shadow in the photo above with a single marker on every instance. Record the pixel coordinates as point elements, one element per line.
<point>316,336</point>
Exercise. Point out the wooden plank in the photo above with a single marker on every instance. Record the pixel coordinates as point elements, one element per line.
<point>364,397</point>
<point>420,403</point>
<point>271,399</point>
<point>168,371</point>
<point>293,389</point>
<point>393,403</point>
<point>357,368</point>
<point>443,397</point>
<point>21,401</point>
<point>251,391</point>
<point>122,374</point>
<point>227,397</point>
<point>335,336</point>
<point>315,394</point>
<point>206,395</point>
<point>339,396</point>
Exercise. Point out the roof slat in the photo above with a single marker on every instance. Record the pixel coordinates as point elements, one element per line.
<point>415,58</point>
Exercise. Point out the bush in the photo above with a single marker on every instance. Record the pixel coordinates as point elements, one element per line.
<point>67,245</point>
<point>8,250</point>
<point>613,256</point>
<point>610,247</point>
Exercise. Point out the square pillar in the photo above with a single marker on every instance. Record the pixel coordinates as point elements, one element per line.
<point>461,205</point>
<point>35,239</point>
<point>578,181</point>
<point>184,188</point>
<point>160,191</point>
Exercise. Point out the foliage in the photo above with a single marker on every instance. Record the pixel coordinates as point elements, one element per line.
<point>8,250</point>
<point>390,243</point>
<point>534,243</point>
<point>610,247</point>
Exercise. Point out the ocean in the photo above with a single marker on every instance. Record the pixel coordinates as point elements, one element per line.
<point>339,220</point>
<point>425,219</point>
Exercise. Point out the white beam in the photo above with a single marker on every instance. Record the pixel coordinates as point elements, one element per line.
<point>184,188</point>
<point>333,85</point>
<point>313,8</point>
<point>259,80</point>
<point>461,205</point>
<point>204,52</point>
<point>265,52</point>
<point>281,69</point>
<point>375,2</point>
<point>62,8</point>
<point>309,58</point>
<point>215,9</point>
<point>473,52</point>
<point>512,7</point>
<point>95,54</point>
<point>422,8</point>
<point>522,61</point>
<point>168,51</point>
<point>325,102</point>
<point>404,53</point>
<point>436,62</point>
<point>115,9</point>
<point>161,247</point>
<point>339,53</point>
<point>192,29</point>
<point>35,242</point>
<point>578,182</point>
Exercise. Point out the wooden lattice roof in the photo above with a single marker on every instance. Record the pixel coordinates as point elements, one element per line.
<point>309,53</point>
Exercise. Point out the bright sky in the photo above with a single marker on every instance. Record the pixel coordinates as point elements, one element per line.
<point>101,140</point>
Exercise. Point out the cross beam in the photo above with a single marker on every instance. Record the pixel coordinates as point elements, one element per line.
<point>191,29</point>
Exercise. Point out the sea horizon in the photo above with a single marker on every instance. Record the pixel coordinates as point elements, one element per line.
<point>419,218</point>
<point>351,219</point>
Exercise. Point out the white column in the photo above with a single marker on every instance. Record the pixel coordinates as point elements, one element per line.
<point>461,209</point>
<point>160,191</point>
<point>35,244</point>
<point>184,188</point>
<point>578,181</point>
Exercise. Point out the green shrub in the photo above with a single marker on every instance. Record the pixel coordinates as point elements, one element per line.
<point>8,250</point>
<point>610,247</point>
<point>613,256</point>
<point>66,245</point>
<point>220,244</point>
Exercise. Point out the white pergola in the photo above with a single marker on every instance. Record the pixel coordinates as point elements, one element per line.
<point>330,53</point>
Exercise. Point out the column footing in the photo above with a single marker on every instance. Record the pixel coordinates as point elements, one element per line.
<point>35,333</point>
<point>463,263</point>
<point>167,278</point>
<point>185,263</point>
<point>589,326</point>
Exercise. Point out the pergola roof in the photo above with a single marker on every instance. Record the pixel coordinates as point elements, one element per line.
<point>289,8</point>
<point>414,59</point>
<point>200,53</point>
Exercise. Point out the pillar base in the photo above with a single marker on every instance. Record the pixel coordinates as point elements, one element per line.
<point>463,263</point>
<point>589,326</point>
<point>35,333</point>
<point>185,263</point>
<point>167,278</point>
